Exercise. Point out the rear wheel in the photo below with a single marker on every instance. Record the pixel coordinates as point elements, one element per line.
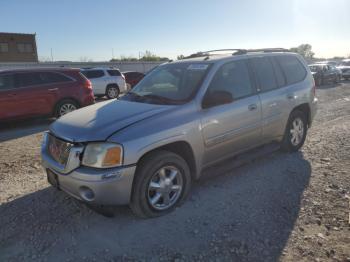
<point>112,91</point>
<point>64,107</point>
<point>295,134</point>
<point>162,182</point>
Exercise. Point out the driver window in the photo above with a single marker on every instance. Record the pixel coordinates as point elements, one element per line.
<point>233,78</point>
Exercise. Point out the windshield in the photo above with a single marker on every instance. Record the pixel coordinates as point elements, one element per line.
<point>169,84</point>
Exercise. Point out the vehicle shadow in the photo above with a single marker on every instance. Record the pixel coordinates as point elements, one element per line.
<point>244,214</point>
<point>17,129</point>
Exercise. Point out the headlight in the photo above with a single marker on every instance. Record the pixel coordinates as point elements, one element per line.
<point>103,155</point>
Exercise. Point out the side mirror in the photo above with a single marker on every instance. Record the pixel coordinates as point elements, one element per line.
<point>217,98</point>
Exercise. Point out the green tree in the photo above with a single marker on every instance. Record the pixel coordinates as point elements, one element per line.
<point>150,57</point>
<point>305,50</point>
<point>180,57</point>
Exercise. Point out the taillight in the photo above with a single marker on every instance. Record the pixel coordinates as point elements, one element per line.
<point>123,76</point>
<point>313,87</point>
<point>87,84</point>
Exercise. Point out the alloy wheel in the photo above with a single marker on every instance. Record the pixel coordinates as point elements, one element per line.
<point>165,188</point>
<point>297,131</point>
<point>67,108</point>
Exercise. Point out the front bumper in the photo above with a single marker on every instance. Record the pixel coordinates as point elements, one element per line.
<point>96,186</point>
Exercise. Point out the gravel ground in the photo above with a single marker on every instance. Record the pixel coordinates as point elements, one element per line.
<point>288,207</point>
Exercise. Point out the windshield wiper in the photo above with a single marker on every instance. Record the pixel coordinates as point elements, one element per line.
<point>161,99</point>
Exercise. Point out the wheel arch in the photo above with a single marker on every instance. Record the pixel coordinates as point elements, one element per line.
<point>181,148</point>
<point>305,108</point>
<point>64,99</point>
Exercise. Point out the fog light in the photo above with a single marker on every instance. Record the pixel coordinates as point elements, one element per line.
<point>86,193</point>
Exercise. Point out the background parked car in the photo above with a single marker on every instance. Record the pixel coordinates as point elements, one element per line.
<point>327,62</point>
<point>344,66</point>
<point>325,73</point>
<point>106,81</point>
<point>52,92</point>
<point>132,78</point>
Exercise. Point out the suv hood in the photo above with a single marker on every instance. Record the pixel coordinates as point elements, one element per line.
<point>99,121</point>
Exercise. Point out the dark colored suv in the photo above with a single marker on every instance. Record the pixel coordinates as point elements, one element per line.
<point>37,92</point>
<point>132,78</point>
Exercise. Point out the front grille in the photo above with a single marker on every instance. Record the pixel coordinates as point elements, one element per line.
<point>58,149</point>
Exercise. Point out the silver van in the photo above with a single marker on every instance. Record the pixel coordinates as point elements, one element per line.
<point>146,148</point>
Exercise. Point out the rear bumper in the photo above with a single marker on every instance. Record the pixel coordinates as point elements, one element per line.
<point>313,110</point>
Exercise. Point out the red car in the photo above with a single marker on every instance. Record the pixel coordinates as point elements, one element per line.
<point>132,78</point>
<point>38,92</point>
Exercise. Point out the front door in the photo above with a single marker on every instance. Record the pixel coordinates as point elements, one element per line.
<point>235,127</point>
<point>8,105</point>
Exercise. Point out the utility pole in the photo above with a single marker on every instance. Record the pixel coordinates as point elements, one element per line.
<point>51,56</point>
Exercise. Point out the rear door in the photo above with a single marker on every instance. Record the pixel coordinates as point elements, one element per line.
<point>8,106</point>
<point>35,93</point>
<point>231,128</point>
<point>278,78</point>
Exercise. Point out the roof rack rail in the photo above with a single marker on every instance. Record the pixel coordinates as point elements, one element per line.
<point>267,50</point>
<point>237,51</point>
<point>208,53</point>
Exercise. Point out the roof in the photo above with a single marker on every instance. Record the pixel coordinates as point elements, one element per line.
<point>35,69</point>
<point>212,58</point>
<point>7,33</point>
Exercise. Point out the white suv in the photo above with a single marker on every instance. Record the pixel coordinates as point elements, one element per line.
<point>106,81</point>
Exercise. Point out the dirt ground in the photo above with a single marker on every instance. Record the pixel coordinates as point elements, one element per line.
<point>288,207</point>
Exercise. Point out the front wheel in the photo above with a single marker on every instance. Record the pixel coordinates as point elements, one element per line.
<point>112,91</point>
<point>162,182</point>
<point>295,133</point>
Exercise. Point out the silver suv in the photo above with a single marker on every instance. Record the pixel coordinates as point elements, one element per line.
<point>146,148</point>
<point>108,82</point>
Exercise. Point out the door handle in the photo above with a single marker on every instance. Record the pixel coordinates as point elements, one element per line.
<point>291,96</point>
<point>252,107</point>
<point>52,89</point>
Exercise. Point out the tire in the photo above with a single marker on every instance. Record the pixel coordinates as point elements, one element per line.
<point>293,141</point>
<point>319,82</point>
<point>112,91</point>
<point>337,79</point>
<point>64,107</point>
<point>150,170</point>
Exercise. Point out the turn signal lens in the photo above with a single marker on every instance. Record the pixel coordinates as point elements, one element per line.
<point>112,157</point>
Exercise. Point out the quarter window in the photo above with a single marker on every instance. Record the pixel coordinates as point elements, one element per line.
<point>264,73</point>
<point>50,77</point>
<point>293,69</point>
<point>234,78</point>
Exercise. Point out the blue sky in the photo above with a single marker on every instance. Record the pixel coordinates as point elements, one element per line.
<point>91,29</point>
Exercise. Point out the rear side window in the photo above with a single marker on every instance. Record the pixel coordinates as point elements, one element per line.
<point>293,69</point>
<point>93,73</point>
<point>281,81</point>
<point>114,72</point>
<point>50,77</point>
<point>233,78</point>
<point>264,73</point>
<point>6,82</point>
<point>27,79</point>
